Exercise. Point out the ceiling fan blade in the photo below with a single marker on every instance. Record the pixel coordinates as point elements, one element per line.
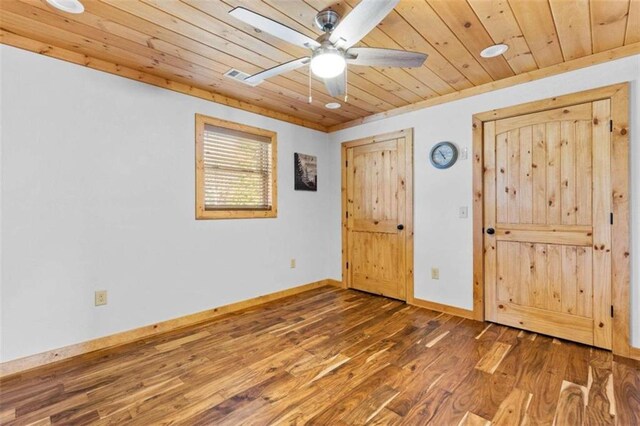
<point>360,21</point>
<point>274,28</point>
<point>336,85</point>
<point>278,69</point>
<point>374,57</point>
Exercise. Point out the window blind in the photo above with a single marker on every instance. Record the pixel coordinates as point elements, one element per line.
<point>237,170</point>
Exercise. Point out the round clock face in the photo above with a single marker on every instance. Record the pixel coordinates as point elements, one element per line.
<point>443,155</point>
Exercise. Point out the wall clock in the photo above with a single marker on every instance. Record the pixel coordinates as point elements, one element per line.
<point>443,155</point>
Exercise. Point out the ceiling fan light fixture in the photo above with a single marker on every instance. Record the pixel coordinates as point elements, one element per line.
<point>330,52</point>
<point>332,105</point>
<point>69,6</point>
<point>493,51</point>
<point>328,63</point>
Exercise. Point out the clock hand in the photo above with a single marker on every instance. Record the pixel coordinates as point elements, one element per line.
<point>443,156</point>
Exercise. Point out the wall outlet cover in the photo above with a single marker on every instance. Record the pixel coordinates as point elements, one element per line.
<point>100,297</point>
<point>435,273</point>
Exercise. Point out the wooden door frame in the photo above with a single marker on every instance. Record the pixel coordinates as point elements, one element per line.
<point>408,223</point>
<point>620,262</point>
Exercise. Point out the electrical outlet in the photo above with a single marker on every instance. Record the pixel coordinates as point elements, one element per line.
<point>435,273</point>
<point>293,263</point>
<point>101,297</point>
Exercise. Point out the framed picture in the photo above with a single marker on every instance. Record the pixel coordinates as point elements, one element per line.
<point>306,172</point>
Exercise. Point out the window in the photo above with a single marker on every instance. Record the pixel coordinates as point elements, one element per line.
<point>235,170</point>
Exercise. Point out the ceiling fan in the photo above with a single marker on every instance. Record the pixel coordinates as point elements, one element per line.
<point>332,51</point>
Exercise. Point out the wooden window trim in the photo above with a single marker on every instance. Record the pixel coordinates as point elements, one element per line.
<point>201,212</point>
<point>620,259</point>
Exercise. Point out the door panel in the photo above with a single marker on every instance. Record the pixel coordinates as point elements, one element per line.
<point>546,276</point>
<point>548,197</point>
<point>375,260</point>
<point>375,207</point>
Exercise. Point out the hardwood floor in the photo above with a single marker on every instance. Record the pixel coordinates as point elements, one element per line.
<point>333,357</point>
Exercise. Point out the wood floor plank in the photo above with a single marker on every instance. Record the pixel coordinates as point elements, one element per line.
<point>545,396</point>
<point>416,389</point>
<point>7,415</point>
<point>600,408</point>
<point>571,404</point>
<point>626,384</point>
<point>525,361</point>
<point>431,343</point>
<point>332,356</point>
<point>352,408</point>
<point>578,364</point>
<point>513,409</point>
<point>491,360</point>
<point>478,392</point>
<point>424,411</point>
<point>471,419</point>
<point>385,417</point>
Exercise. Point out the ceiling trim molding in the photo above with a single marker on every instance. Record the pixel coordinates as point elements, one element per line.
<point>25,43</point>
<point>586,61</point>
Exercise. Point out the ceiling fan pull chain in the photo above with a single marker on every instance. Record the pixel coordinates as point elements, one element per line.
<point>310,98</point>
<point>346,86</point>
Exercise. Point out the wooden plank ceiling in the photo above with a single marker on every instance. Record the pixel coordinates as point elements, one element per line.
<point>187,45</point>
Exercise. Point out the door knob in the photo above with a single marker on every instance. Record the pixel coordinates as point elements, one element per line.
<point>400,227</point>
<point>491,231</point>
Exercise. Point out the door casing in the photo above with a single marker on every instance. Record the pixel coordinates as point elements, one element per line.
<point>408,222</point>
<point>618,94</point>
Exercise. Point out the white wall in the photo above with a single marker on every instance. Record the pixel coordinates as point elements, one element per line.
<point>97,192</point>
<point>97,176</point>
<point>444,240</point>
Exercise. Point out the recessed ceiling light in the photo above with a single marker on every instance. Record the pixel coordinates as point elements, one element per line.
<point>69,6</point>
<point>332,105</point>
<point>493,51</point>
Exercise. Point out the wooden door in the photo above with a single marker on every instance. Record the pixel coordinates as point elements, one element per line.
<point>376,213</point>
<point>547,212</point>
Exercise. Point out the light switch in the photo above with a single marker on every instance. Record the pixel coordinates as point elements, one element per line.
<point>463,212</point>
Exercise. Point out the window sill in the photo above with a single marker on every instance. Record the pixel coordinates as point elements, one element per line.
<point>235,214</point>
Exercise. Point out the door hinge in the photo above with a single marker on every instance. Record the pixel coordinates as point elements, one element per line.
<point>347,265</point>
<point>611,311</point>
<point>611,126</point>
<point>346,215</point>
<point>611,218</point>
<point>346,163</point>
